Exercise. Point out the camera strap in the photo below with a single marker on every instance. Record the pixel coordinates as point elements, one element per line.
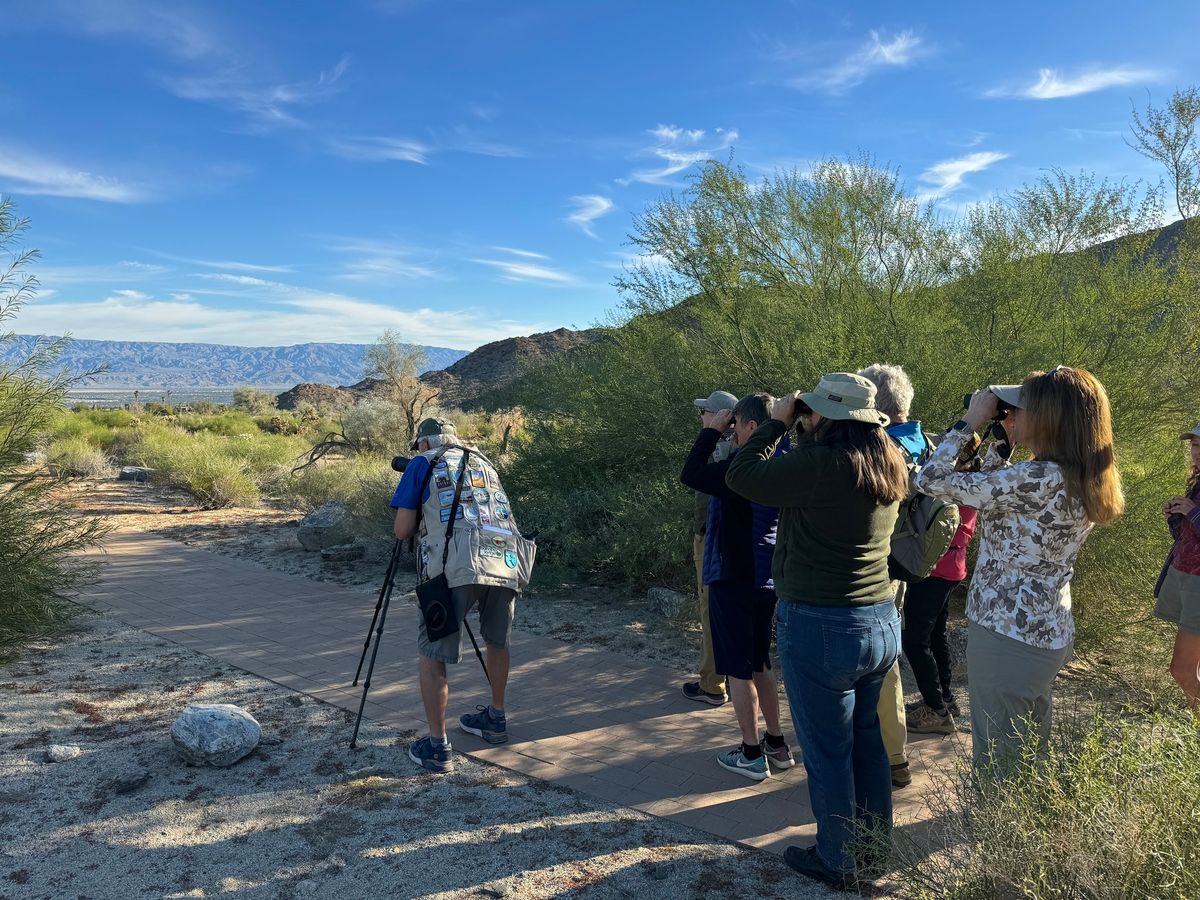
<point>462,472</point>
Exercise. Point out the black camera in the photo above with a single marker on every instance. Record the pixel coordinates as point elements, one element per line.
<point>400,463</point>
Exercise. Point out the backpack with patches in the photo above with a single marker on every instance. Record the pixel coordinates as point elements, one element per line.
<point>924,529</point>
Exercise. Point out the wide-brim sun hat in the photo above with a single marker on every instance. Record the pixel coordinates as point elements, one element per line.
<point>1188,435</point>
<point>844,396</point>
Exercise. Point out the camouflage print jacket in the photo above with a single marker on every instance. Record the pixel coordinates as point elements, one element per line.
<point>1030,533</point>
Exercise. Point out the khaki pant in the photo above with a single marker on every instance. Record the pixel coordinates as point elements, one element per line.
<point>710,681</point>
<point>1012,694</point>
<point>893,722</point>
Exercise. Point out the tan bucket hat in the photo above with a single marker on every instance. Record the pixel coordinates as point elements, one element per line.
<point>841,395</point>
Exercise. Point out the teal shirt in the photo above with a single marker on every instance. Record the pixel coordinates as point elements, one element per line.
<point>833,540</point>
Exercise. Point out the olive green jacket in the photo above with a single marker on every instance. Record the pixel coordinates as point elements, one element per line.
<point>833,539</point>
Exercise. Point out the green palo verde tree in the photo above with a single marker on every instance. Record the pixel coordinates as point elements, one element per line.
<point>39,531</point>
<point>765,285</point>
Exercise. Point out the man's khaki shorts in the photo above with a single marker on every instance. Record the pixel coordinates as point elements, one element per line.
<point>496,607</point>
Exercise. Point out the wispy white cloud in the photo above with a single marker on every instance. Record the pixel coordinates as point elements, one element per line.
<point>677,149</point>
<point>520,270</point>
<point>946,176</point>
<point>27,172</point>
<point>589,208</point>
<point>380,149</point>
<point>232,265</point>
<point>528,254</point>
<point>125,271</point>
<point>295,315</point>
<point>267,105</point>
<point>244,280</point>
<point>1051,84</point>
<point>377,260</point>
<point>879,51</point>
<point>170,28</point>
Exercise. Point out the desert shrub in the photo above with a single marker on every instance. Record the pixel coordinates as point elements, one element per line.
<point>1107,810</point>
<point>78,457</point>
<point>376,426</point>
<point>205,408</point>
<point>254,401</point>
<point>155,408</point>
<point>40,533</point>
<point>199,464</point>
<point>279,423</point>
<point>364,483</point>
<point>229,423</point>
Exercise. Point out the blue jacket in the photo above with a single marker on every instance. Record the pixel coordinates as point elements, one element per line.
<point>911,439</point>
<point>739,541</point>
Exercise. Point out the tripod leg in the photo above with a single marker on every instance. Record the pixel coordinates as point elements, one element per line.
<point>475,644</point>
<point>387,579</point>
<point>385,602</point>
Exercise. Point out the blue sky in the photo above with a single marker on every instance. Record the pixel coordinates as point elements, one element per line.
<point>274,173</point>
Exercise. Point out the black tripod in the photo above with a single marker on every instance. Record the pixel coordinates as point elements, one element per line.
<point>381,610</point>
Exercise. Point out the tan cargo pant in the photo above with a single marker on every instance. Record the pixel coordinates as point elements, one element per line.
<point>893,721</point>
<point>710,681</point>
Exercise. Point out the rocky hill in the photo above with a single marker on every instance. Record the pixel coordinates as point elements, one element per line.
<point>499,363</point>
<point>152,364</point>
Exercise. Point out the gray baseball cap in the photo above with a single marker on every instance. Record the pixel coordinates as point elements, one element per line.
<point>1009,393</point>
<point>716,401</point>
<point>1188,435</point>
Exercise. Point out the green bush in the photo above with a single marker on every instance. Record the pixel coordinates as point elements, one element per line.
<point>1108,810</point>
<point>41,533</point>
<point>254,401</point>
<point>376,426</point>
<point>229,423</point>
<point>280,423</point>
<point>365,483</point>
<point>77,457</point>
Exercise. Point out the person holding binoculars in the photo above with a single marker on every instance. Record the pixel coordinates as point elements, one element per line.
<point>1178,590</point>
<point>1033,519</point>
<point>837,627</point>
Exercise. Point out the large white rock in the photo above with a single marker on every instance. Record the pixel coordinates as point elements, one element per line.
<point>666,602</point>
<point>215,734</point>
<point>326,526</point>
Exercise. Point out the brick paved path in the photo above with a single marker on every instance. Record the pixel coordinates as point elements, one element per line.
<point>593,720</point>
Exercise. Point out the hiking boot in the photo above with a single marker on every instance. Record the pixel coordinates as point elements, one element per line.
<point>809,864</point>
<point>901,776</point>
<point>779,757</point>
<point>926,720</point>
<point>735,761</point>
<point>484,724</point>
<point>427,756</point>
<point>693,691</point>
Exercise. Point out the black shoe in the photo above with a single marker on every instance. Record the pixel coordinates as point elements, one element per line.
<point>808,863</point>
<point>901,776</point>
<point>952,706</point>
<point>693,691</point>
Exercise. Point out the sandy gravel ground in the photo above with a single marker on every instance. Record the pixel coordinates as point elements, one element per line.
<point>303,816</point>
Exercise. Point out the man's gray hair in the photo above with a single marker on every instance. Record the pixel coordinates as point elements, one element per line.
<point>894,389</point>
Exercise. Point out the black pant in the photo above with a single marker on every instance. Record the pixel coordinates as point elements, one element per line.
<point>926,605</point>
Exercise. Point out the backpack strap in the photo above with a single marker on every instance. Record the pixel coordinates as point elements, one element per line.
<point>462,473</point>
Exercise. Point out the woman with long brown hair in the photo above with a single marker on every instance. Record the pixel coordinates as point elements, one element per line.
<point>837,628</point>
<point>1033,519</point>
<point>1178,588</point>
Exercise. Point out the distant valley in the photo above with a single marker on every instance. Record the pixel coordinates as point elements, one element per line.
<point>168,366</point>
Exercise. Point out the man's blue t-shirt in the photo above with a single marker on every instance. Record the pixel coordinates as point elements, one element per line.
<point>410,483</point>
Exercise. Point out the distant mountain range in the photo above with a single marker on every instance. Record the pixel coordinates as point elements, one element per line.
<point>152,364</point>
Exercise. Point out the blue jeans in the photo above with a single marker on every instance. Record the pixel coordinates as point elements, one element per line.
<point>833,661</point>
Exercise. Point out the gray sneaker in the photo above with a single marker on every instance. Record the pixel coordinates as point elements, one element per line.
<point>779,757</point>
<point>693,691</point>
<point>493,729</point>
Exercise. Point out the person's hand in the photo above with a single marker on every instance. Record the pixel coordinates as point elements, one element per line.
<point>721,420</point>
<point>981,410</point>
<point>1181,505</point>
<point>783,409</point>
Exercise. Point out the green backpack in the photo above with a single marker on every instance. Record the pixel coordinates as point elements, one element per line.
<point>924,528</point>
